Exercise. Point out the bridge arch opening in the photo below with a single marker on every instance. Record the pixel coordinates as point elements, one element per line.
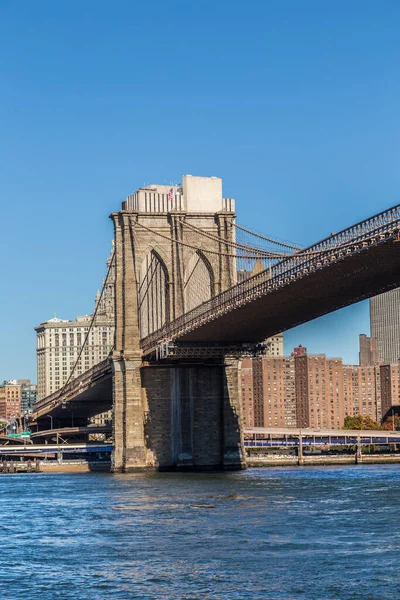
<point>199,281</point>
<point>154,310</point>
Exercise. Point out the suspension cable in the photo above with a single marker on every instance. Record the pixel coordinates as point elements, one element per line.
<point>301,254</point>
<point>205,250</point>
<point>91,325</point>
<point>286,245</point>
<point>239,246</point>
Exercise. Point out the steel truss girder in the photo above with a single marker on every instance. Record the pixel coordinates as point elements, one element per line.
<point>356,239</point>
<point>170,350</point>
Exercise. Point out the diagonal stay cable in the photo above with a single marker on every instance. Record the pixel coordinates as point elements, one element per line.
<point>205,250</point>
<point>267,239</point>
<point>90,326</point>
<point>237,245</point>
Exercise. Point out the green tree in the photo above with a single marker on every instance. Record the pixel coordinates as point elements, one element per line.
<point>369,423</point>
<point>353,422</point>
<point>388,423</point>
<point>360,423</point>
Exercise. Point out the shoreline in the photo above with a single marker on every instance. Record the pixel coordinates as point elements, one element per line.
<point>349,459</point>
<point>251,463</point>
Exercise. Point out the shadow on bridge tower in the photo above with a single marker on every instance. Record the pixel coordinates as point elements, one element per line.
<point>173,252</point>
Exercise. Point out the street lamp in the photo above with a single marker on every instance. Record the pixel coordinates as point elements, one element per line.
<point>50,417</point>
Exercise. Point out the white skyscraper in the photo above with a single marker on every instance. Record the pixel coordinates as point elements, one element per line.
<point>385,325</point>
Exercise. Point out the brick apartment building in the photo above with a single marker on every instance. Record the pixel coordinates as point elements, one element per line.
<point>390,387</point>
<point>362,391</point>
<point>10,400</point>
<point>268,392</point>
<point>307,390</point>
<point>319,391</point>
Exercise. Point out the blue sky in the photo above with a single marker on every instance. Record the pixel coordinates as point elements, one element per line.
<point>294,104</point>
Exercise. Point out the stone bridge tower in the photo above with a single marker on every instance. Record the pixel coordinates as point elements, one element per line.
<point>172,252</point>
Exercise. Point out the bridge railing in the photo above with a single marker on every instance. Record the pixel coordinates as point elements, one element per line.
<point>327,250</point>
<point>82,381</point>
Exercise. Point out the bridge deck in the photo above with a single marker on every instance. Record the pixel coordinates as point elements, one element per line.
<point>356,263</point>
<point>319,293</point>
<point>5,440</point>
<point>44,450</point>
<point>86,396</point>
<point>69,431</point>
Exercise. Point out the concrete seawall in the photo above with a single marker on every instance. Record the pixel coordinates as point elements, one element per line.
<point>336,459</point>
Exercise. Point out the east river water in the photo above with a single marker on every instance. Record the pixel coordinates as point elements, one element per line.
<point>293,533</point>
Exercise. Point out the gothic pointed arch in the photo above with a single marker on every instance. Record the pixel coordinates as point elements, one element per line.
<point>199,281</point>
<point>153,294</point>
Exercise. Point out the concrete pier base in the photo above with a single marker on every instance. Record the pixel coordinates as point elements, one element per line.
<point>128,432</point>
<point>172,417</point>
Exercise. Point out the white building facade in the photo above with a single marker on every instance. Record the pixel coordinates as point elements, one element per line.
<point>385,325</point>
<point>59,342</point>
<point>274,345</point>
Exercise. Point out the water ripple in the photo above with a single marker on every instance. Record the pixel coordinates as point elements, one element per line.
<point>320,533</point>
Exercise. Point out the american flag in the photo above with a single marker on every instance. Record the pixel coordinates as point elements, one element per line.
<point>171,194</point>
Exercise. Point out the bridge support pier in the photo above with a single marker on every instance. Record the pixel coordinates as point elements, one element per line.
<point>128,433</point>
<point>177,416</point>
<point>233,440</point>
<point>193,418</point>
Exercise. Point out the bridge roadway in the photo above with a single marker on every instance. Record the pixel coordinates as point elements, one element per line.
<point>57,441</point>
<point>278,437</point>
<point>84,397</point>
<point>6,439</point>
<point>64,432</point>
<point>54,449</point>
<point>349,266</point>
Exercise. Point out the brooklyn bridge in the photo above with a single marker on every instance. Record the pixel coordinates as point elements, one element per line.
<point>195,292</point>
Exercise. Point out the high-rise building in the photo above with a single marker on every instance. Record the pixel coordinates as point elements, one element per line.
<point>28,395</point>
<point>390,387</point>
<point>274,345</point>
<point>59,342</point>
<point>279,391</point>
<point>300,351</point>
<point>268,392</point>
<point>362,391</point>
<point>247,389</point>
<point>258,392</point>
<point>312,390</point>
<point>255,403</point>
<point>319,391</point>
<point>385,325</point>
<point>10,399</point>
<point>368,355</point>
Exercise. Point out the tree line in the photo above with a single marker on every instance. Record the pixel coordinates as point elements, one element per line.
<point>367,423</point>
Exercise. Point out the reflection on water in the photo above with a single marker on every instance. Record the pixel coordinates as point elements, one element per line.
<point>293,533</point>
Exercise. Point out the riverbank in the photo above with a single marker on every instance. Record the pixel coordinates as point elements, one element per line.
<point>74,467</point>
<point>252,462</point>
<point>321,460</point>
